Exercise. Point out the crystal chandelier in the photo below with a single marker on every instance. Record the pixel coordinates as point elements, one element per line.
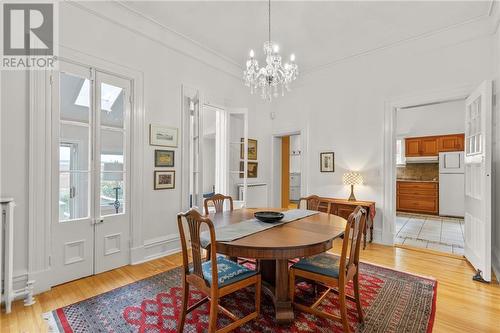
<point>274,76</point>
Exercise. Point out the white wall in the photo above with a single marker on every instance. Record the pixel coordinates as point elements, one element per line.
<point>342,106</point>
<point>496,160</point>
<point>436,119</point>
<point>164,70</point>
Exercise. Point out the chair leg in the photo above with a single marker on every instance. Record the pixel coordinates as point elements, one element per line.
<point>214,307</point>
<point>185,297</point>
<point>355,282</point>
<point>343,309</point>
<point>257,295</point>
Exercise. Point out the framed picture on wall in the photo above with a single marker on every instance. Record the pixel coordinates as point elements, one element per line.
<point>162,136</point>
<point>164,158</point>
<point>164,180</point>
<point>252,169</point>
<point>327,162</point>
<point>252,149</point>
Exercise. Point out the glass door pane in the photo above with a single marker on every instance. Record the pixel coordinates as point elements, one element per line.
<point>238,158</point>
<point>74,151</point>
<point>112,149</point>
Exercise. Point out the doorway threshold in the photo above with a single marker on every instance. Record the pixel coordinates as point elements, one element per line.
<point>429,251</point>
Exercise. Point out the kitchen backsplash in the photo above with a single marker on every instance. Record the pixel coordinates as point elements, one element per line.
<point>419,171</point>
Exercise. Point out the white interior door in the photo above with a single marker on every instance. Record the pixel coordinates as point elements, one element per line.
<point>72,123</point>
<point>237,156</point>
<point>478,152</point>
<point>90,196</point>
<point>111,176</point>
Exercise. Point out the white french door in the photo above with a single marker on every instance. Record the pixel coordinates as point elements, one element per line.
<point>237,156</point>
<point>478,154</point>
<point>90,172</point>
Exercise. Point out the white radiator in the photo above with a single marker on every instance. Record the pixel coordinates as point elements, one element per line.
<point>256,195</point>
<point>6,251</point>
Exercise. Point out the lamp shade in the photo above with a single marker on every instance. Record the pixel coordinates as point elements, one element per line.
<point>352,178</point>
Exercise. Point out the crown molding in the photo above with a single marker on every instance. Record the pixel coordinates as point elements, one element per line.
<point>117,13</point>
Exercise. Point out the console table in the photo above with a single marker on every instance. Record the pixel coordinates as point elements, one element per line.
<point>344,207</point>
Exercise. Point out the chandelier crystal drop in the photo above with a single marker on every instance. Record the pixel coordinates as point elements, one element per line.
<point>274,76</point>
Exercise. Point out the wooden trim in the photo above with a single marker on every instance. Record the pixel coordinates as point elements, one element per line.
<point>285,171</point>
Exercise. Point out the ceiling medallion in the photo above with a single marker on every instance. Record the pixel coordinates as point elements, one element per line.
<point>274,76</point>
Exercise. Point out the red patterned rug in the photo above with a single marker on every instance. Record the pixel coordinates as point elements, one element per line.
<point>392,301</point>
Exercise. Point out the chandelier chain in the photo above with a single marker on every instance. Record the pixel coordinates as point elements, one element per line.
<point>269,19</point>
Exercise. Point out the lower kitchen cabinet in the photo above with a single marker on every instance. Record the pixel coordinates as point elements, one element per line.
<point>417,197</point>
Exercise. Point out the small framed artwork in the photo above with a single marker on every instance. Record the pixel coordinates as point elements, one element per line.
<point>164,158</point>
<point>164,180</point>
<point>162,136</point>
<point>327,162</point>
<point>252,169</point>
<point>252,149</point>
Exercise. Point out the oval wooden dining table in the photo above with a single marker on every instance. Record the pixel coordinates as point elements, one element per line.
<point>275,246</point>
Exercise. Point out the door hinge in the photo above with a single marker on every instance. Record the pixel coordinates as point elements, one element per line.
<point>50,261</point>
<point>51,80</point>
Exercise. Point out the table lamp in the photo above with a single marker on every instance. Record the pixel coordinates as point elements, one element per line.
<point>352,178</point>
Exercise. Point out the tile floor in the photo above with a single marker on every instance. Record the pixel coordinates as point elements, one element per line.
<point>444,234</point>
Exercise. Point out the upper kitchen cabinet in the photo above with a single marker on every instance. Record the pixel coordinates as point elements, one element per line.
<point>433,145</point>
<point>413,147</point>
<point>454,142</point>
<point>429,146</point>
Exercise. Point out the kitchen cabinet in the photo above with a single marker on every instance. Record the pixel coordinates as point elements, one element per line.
<point>454,142</point>
<point>429,146</point>
<point>417,197</point>
<point>433,145</point>
<point>413,147</point>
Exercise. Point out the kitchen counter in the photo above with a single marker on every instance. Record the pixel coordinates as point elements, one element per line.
<point>417,181</point>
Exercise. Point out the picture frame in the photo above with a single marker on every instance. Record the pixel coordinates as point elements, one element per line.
<point>163,136</point>
<point>327,161</point>
<point>164,158</point>
<point>164,180</point>
<point>252,169</point>
<point>252,149</point>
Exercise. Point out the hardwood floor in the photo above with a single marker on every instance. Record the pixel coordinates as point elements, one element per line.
<point>462,305</point>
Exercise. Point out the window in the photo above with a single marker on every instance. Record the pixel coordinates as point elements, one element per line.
<point>400,153</point>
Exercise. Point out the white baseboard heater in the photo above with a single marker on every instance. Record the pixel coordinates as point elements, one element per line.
<point>256,195</point>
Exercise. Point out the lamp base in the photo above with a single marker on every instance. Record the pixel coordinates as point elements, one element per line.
<point>352,197</point>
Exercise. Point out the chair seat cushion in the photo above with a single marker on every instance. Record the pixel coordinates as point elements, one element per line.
<point>228,271</point>
<point>324,264</point>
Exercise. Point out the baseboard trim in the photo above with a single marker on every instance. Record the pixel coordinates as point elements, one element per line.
<point>156,248</point>
<point>495,262</point>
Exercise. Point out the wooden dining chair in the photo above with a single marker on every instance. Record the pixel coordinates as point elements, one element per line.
<point>334,272</point>
<point>215,278</point>
<point>314,202</point>
<point>218,202</point>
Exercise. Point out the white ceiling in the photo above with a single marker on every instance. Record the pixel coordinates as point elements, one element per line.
<point>317,32</point>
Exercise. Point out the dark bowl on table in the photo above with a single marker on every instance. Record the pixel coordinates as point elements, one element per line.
<point>269,217</point>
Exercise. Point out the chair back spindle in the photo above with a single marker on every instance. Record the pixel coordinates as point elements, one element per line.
<point>218,202</point>
<point>194,222</point>
<point>349,258</point>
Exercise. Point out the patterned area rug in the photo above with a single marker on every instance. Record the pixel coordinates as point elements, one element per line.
<point>392,302</point>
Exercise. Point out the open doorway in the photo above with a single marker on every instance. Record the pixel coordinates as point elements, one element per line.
<point>288,170</point>
<point>477,165</point>
<point>430,190</point>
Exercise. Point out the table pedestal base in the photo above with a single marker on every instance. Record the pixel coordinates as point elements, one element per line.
<point>275,284</point>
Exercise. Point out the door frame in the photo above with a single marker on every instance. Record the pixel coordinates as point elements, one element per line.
<point>274,199</point>
<point>39,165</point>
<point>389,144</point>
